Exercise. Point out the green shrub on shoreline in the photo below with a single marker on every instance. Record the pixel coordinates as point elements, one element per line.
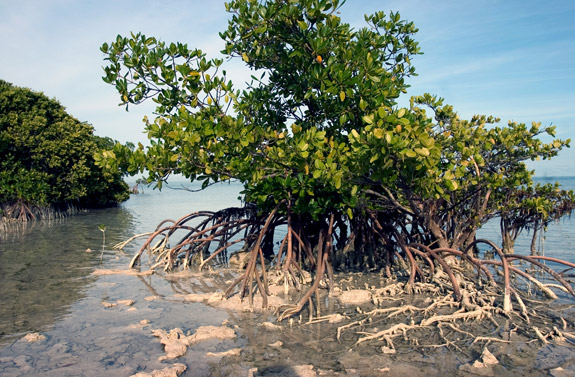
<point>46,163</point>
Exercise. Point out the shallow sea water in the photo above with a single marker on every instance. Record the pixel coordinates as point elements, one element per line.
<point>47,286</point>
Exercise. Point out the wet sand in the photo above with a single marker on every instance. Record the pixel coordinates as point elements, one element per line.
<point>111,332</point>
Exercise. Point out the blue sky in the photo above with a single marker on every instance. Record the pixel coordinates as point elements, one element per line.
<point>512,59</point>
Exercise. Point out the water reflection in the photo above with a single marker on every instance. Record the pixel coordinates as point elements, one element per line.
<point>44,267</point>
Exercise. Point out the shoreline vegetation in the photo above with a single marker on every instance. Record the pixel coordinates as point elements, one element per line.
<point>47,169</point>
<point>338,177</point>
<point>17,216</point>
<point>480,286</point>
<point>20,212</point>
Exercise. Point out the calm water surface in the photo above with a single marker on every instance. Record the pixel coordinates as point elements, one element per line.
<point>46,286</point>
<point>44,269</point>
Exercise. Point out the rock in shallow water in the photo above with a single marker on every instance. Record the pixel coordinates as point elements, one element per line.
<point>355,297</point>
<point>172,371</point>
<point>176,343</point>
<point>34,337</point>
<point>483,366</point>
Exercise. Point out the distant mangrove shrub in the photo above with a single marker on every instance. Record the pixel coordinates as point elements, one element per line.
<point>46,158</point>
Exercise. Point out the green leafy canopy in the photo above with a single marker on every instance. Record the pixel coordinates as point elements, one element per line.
<point>318,125</point>
<point>47,155</point>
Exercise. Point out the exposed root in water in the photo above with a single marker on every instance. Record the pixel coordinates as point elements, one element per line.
<point>15,216</point>
<point>100,272</point>
<point>465,288</point>
<point>121,245</point>
<point>446,322</point>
